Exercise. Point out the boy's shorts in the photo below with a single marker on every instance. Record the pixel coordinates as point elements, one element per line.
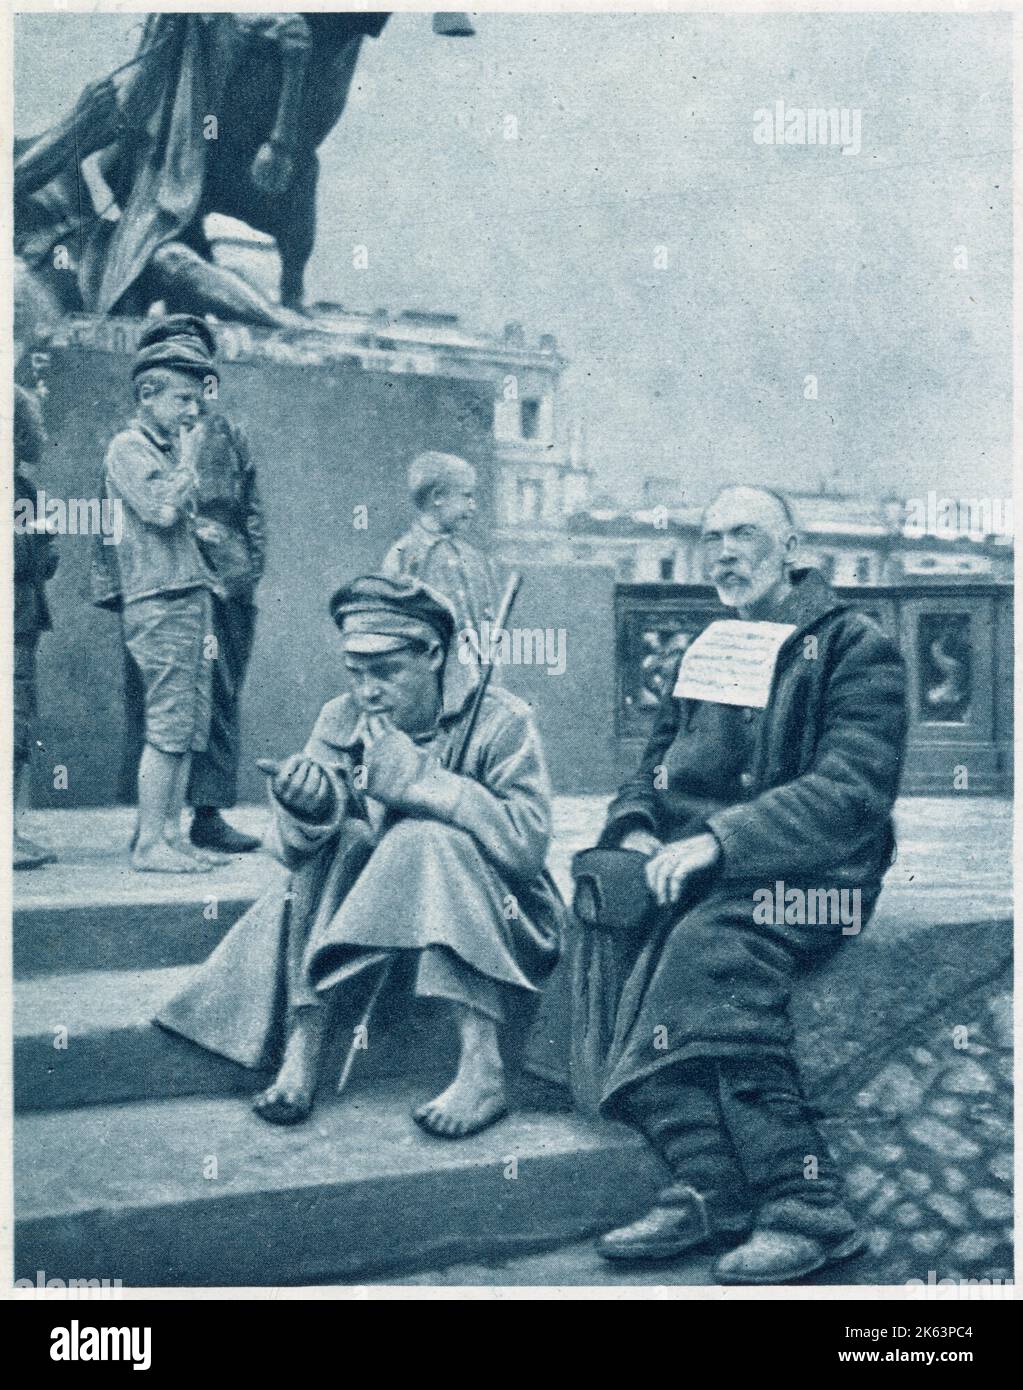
<point>166,636</point>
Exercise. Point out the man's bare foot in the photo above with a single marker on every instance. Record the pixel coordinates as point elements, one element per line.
<point>162,858</point>
<point>289,1098</point>
<point>475,1099</point>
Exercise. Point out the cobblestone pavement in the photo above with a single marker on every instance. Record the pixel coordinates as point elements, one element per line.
<point>926,1147</point>
<point>927,1151</point>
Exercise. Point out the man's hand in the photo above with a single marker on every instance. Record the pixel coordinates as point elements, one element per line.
<point>302,787</point>
<point>392,761</point>
<point>667,871</point>
<point>643,841</point>
<point>272,169</point>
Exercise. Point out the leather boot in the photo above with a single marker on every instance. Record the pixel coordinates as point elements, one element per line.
<point>792,1238</point>
<point>213,832</point>
<point>679,1221</point>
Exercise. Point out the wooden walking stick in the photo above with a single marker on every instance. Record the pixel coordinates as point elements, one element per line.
<point>459,749</point>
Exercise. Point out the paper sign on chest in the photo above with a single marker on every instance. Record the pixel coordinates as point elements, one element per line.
<point>732,663</point>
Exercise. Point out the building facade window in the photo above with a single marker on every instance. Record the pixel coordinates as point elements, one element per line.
<point>862,569</point>
<point>530,419</point>
<point>528,499</point>
<point>666,565</point>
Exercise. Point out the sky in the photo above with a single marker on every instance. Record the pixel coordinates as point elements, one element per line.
<point>731,310</point>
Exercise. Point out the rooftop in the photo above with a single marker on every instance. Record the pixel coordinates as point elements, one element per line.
<point>417,342</point>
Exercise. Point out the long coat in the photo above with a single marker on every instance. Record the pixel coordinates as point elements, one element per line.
<point>801,791</point>
<point>466,872</point>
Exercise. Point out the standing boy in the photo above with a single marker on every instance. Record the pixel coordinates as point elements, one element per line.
<point>229,526</point>
<point>433,550</point>
<point>165,591</point>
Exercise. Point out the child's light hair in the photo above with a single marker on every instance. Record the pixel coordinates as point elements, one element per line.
<point>433,472</point>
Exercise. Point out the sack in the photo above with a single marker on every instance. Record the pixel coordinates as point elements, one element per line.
<point>611,892</point>
<point>225,554</point>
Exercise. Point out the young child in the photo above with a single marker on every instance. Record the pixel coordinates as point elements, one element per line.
<point>165,591</point>
<point>230,528</point>
<point>443,491</point>
<point>35,561</point>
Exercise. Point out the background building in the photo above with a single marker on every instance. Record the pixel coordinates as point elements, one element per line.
<point>853,540</point>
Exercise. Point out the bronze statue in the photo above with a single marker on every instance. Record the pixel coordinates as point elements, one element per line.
<point>216,113</point>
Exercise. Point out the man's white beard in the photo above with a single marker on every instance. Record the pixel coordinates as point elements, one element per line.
<point>756,586</point>
<point>731,598</point>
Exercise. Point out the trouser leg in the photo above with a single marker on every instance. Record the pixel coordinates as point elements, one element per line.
<point>214,776</point>
<point>736,1131</point>
<point>783,1153</point>
<point>134,732</point>
<point>25,703</point>
<point>678,1110</point>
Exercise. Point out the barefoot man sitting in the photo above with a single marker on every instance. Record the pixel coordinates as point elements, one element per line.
<point>393,854</point>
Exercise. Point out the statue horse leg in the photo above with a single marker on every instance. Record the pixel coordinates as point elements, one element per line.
<point>292,224</point>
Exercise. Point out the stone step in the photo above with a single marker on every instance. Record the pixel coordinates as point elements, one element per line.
<point>877,986</point>
<point>114,1052</point>
<point>88,1038</point>
<point>77,937</point>
<point>91,912</point>
<point>201,1192</point>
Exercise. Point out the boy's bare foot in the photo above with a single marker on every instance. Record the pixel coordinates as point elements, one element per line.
<point>289,1098</point>
<point>162,858</point>
<point>475,1099</point>
<point>206,856</point>
<point>203,856</point>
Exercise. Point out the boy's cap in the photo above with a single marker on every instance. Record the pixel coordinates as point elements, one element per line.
<point>377,614</point>
<point>183,353</point>
<point>179,326</point>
